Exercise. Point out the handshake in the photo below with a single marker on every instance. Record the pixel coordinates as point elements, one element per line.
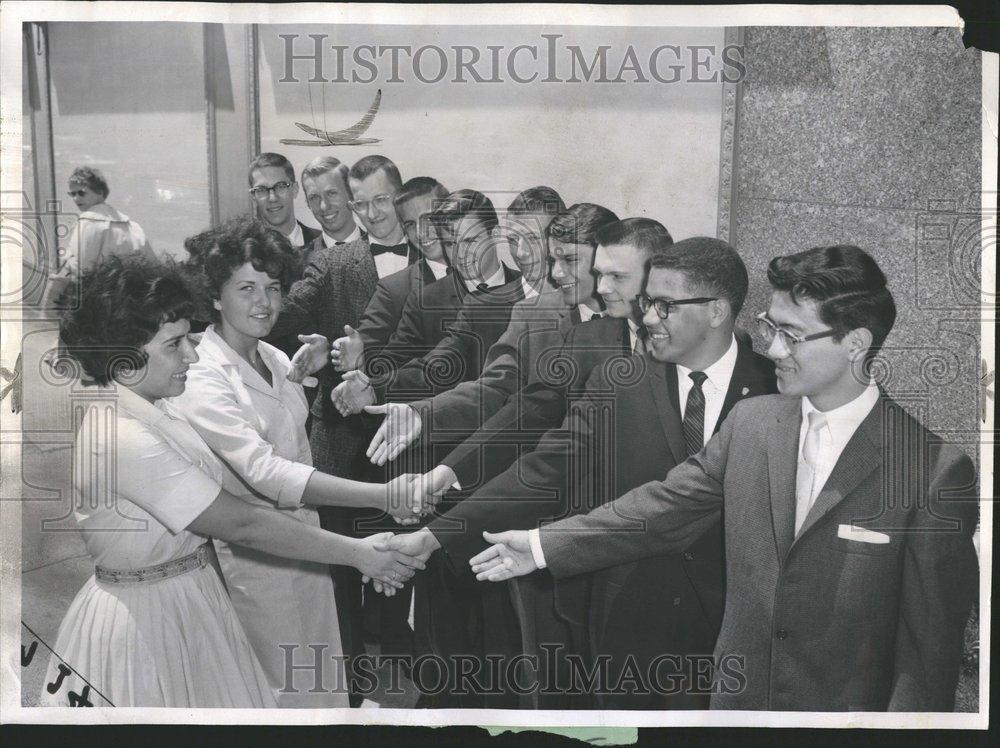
<point>395,559</point>
<point>413,495</point>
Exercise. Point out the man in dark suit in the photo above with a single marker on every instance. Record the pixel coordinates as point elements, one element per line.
<point>452,321</point>
<point>274,189</point>
<point>374,181</point>
<point>623,249</point>
<point>848,526</point>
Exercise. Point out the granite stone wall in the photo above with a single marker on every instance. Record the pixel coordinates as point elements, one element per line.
<point>873,137</point>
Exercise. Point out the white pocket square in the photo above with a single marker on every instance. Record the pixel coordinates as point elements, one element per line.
<point>850,532</point>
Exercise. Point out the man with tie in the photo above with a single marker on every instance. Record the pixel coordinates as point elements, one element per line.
<point>848,525</point>
<point>274,189</point>
<point>559,373</point>
<point>374,182</point>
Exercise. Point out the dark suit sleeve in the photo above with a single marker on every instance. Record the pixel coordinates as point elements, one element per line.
<point>939,582</point>
<point>656,518</point>
<point>380,319</point>
<point>545,484</point>
<point>301,309</point>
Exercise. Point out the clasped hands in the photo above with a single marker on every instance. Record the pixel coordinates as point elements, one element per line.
<point>413,495</point>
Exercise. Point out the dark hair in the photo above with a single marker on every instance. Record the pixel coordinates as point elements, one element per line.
<point>644,234</point>
<point>711,263</point>
<point>847,285</point>
<point>371,164</point>
<point>580,223</point>
<point>418,187</point>
<point>116,308</point>
<point>538,200</point>
<point>264,160</point>
<point>464,203</point>
<point>323,164</point>
<point>216,253</point>
<point>90,178</point>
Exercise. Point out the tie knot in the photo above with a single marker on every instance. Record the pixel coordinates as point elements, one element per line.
<point>482,288</point>
<point>698,377</point>
<point>817,420</point>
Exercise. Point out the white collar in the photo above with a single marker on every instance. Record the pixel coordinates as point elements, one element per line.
<point>438,268</point>
<point>497,279</point>
<point>720,372</point>
<point>586,313</point>
<point>329,241</point>
<point>846,418</point>
<point>296,237</point>
<point>529,289</point>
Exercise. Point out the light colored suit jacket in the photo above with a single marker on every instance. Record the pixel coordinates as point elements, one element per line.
<point>823,621</point>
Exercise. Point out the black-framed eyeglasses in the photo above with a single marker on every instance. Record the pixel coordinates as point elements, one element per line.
<point>663,306</point>
<point>768,330</point>
<point>76,193</point>
<point>262,192</point>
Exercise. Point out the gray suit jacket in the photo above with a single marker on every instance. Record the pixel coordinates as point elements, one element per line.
<point>820,621</point>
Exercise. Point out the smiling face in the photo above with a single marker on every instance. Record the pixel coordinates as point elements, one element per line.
<point>822,369</point>
<point>469,245</point>
<point>248,304</point>
<point>169,354</point>
<point>526,236</point>
<point>620,271</point>
<point>327,197</point>
<point>573,270</point>
<point>84,197</point>
<point>276,210</point>
<point>683,336</point>
<point>422,236</point>
<point>379,221</point>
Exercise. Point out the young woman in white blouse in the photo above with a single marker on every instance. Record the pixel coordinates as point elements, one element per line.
<point>241,401</point>
<point>154,626</point>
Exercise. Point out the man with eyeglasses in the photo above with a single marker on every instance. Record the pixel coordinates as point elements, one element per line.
<point>273,190</point>
<point>374,182</point>
<point>848,526</point>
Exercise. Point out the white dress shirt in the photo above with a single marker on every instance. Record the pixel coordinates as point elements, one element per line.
<point>296,238</point>
<point>841,423</point>
<point>715,387</point>
<point>439,269</point>
<point>587,314</point>
<point>329,241</point>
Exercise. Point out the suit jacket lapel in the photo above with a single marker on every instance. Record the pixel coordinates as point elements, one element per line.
<point>860,457</point>
<point>425,272</point>
<point>782,461</point>
<point>663,383</point>
<point>743,383</point>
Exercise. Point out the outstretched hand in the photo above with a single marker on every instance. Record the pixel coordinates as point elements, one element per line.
<point>346,352</point>
<point>309,358</point>
<point>508,557</point>
<point>399,429</point>
<point>353,394</point>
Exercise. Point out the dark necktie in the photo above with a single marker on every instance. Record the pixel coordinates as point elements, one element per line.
<point>403,250</point>
<point>482,288</point>
<point>694,414</point>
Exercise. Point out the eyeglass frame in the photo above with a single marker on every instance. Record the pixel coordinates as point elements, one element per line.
<point>655,303</point>
<point>262,192</point>
<point>355,204</point>
<point>796,340</point>
<point>75,193</point>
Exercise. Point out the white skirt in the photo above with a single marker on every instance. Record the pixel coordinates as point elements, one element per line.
<point>171,643</point>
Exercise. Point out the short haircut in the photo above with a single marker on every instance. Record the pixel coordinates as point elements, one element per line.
<point>371,164</point>
<point>461,204</point>
<point>215,254</point>
<point>323,164</point>
<point>847,285</point>
<point>264,160</point>
<point>91,179</point>
<point>539,200</point>
<point>644,234</point>
<point>709,263</point>
<point>580,223</point>
<point>419,187</point>
<point>117,307</point>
